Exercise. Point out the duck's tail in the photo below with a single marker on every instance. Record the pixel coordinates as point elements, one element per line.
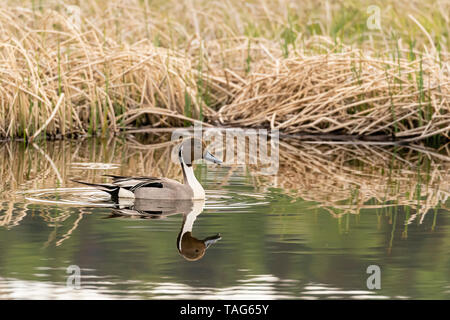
<point>111,189</point>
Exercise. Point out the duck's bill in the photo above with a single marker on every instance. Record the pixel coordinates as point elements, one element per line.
<point>211,240</point>
<point>209,157</point>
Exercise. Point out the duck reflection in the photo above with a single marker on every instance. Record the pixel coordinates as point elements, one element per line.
<point>190,247</point>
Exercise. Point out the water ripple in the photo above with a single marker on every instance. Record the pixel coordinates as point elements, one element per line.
<point>69,196</point>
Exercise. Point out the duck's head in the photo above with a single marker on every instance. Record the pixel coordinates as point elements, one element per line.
<point>193,249</point>
<point>193,149</point>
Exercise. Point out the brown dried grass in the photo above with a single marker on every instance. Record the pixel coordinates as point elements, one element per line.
<point>106,85</point>
<point>129,65</point>
<point>350,92</point>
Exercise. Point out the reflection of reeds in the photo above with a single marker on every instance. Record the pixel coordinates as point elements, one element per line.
<point>12,216</point>
<point>49,165</point>
<point>347,178</point>
<point>339,178</point>
<point>73,228</point>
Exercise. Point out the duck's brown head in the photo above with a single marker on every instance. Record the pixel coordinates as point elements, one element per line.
<point>192,149</point>
<point>193,249</point>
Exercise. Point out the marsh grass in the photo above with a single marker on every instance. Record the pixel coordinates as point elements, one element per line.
<point>103,87</point>
<point>312,68</point>
<point>347,92</point>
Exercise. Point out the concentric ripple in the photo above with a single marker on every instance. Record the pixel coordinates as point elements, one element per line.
<point>69,196</point>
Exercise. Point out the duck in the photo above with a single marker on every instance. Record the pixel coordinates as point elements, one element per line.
<point>189,247</point>
<point>190,150</point>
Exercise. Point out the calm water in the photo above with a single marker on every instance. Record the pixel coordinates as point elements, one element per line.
<point>279,240</point>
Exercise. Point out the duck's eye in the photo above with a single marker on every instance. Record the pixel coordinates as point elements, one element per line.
<point>196,250</point>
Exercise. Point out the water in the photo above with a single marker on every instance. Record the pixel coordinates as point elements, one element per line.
<point>310,232</point>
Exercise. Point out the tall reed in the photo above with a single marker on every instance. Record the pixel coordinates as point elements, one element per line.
<point>100,67</point>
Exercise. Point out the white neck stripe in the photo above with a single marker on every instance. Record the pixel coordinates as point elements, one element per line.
<point>190,179</point>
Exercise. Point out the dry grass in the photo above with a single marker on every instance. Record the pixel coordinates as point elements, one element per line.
<point>105,86</point>
<point>275,64</point>
<point>350,92</point>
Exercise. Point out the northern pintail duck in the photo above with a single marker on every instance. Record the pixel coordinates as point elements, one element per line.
<point>190,247</point>
<point>163,188</point>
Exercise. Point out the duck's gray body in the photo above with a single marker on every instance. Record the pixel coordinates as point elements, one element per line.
<point>153,188</point>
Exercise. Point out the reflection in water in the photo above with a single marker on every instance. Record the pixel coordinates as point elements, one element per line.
<point>308,232</point>
<point>189,247</point>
